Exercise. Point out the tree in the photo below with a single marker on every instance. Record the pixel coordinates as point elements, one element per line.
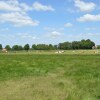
<point>51,47</point>
<point>89,44</point>
<point>75,45</point>
<point>98,47</point>
<point>0,46</point>
<point>65,46</point>
<point>20,47</point>
<point>41,47</point>
<point>8,47</point>
<point>86,44</point>
<point>34,46</point>
<point>26,47</point>
<point>55,47</point>
<point>15,47</point>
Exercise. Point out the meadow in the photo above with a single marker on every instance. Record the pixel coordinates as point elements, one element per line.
<point>49,76</point>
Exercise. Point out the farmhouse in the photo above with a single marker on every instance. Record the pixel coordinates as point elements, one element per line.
<point>4,50</point>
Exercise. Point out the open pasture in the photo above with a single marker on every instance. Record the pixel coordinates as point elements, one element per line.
<point>49,76</point>
<point>86,52</point>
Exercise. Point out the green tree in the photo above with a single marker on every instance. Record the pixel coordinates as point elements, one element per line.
<point>26,47</point>
<point>34,47</point>
<point>51,47</point>
<point>8,47</point>
<point>86,44</point>
<point>98,47</point>
<point>0,46</point>
<point>75,45</point>
<point>20,47</point>
<point>55,47</point>
<point>15,47</point>
<point>42,47</point>
<point>65,46</point>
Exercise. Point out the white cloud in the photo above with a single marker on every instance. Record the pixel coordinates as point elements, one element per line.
<point>27,36</point>
<point>9,6</point>
<point>40,7</point>
<point>13,5</point>
<point>84,6</point>
<point>17,19</point>
<point>89,34</point>
<point>92,28</point>
<point>25,7</point>
<point>68,25</point>
<point>16,13</point>
<point>22,38</point>
<point>54,34</point>
<point>49,28</point>
<point>6,36</point>
<point>84,35</point>
<point>89,17</point>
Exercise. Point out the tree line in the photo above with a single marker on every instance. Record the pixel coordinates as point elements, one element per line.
<point>74,45</point>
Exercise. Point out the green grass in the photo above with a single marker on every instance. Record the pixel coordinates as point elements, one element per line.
<point>54,52</point>
<point>49,77</point>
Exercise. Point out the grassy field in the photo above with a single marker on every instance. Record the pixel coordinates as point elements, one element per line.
<point>51,76</point>
<point>71,52</point>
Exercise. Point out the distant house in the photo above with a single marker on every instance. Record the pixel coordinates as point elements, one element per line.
<point>94,47</point>
<point>4,50</point>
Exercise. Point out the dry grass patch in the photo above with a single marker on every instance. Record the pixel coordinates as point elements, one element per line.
<point>34,88</point>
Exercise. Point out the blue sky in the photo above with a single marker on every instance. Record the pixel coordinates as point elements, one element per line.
<point>48,21</point>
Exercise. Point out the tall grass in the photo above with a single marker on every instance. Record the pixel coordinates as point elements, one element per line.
<point>49,77</point>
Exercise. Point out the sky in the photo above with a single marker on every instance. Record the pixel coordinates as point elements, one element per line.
<point>48,21</point>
